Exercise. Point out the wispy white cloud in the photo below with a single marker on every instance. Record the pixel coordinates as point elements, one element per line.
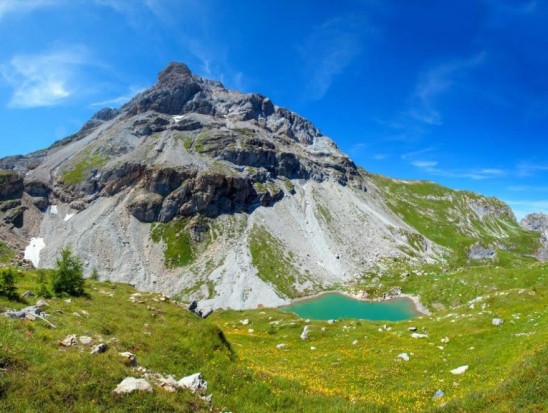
<point>136,13</point>
<point>431,167</point>
<point>329,49</point>
<point>189,23</point>
<point>425,164</point>
<point>523,207</point>
<point>527,188</point>
<point>433,83</point>
<point>44,79</point>
<point>120,100</point>
<point>358,148</point>
<point>529,169</point>
<point>413,154</point>
<point>24,6</point>
<point>380,156</point>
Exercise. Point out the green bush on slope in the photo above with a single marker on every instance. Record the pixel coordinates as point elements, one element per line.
<point>68,277</point>
<point>8,288</point>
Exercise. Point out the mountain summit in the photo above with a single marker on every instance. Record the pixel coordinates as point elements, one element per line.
<point>224,197</point>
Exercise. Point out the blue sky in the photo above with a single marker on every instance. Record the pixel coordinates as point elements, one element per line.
<point>450,91</point>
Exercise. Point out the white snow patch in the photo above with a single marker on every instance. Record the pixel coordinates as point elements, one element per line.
<point>177,118</point>
<point>68,216</point>
<point>32,252</point>
<point>53,210</point>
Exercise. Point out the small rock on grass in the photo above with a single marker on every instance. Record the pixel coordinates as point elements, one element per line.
<point>99,348</point>
<point>193,382</point>
<point>459,370</point>
<point>69,341</point>
<point>497,321</point>
<point>419,335</point>
<point>131,384</point>
<point>169,384</point>
<point>280,346</point>
<point>85,340</point>
<point>438,394</point>
<point>129,358</point>
<point>27,312</point>
<point>41,304</point>
<point>404,356</point>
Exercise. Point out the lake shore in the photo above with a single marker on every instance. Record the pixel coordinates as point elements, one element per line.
<point>419,307</point>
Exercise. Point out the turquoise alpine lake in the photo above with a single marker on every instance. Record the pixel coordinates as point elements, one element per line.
<point>333,306</point>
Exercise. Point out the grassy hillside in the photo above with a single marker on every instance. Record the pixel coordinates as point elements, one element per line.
<point>246,372</point>
<point>6,253</point>
<point>456,219</point>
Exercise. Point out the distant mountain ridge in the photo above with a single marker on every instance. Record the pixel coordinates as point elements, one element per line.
<point>224,197</point>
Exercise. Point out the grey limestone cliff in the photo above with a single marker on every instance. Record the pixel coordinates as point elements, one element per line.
<point>538,222</point>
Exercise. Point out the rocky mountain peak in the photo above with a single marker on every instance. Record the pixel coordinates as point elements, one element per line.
<point>183,147</point>
<point>174,73</point>
<point>535,222</point>
<point>176,86</point>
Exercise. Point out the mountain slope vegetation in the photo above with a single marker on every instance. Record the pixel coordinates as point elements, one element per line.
<point>349,365</point>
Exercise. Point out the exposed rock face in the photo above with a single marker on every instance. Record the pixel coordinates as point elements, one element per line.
<point>538,222</point>
<point>479,252</point>
<point>168,193</point>
<point>11,185</point>
<point>483,210</point>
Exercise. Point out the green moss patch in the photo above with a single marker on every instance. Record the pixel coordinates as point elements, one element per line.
<point>273,263</point>
<point>182,245</point>
<point>7,253</point>
<point>81,169</point>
